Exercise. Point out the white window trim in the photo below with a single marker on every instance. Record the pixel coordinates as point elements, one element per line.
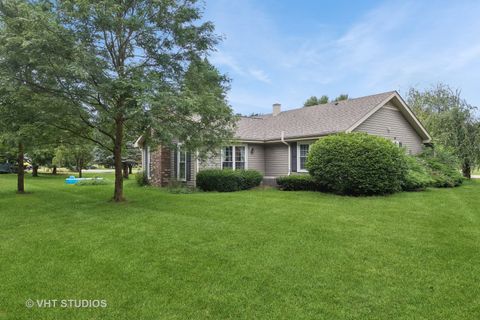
<point>233,151</point>
<point>178,165</point>
<point>298,155</point>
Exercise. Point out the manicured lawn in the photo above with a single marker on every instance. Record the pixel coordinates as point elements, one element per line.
<point>262,254</point>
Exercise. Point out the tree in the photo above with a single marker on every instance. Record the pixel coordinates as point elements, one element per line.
<point>131,156</point>
<point>119,67</point>
<point>20,127</point>
<point>313,101</point>
<point>323,100</point>
<point>41,156</point>
<point>75,156</point>
<point>450,120</point>
<point>341,97</point>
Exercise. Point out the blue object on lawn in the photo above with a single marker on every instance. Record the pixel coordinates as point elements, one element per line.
<point>71,180</point>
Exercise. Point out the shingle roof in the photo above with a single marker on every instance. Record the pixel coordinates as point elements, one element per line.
<point>309,121</point>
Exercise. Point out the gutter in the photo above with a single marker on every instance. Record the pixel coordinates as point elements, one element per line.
<point>289,152</point>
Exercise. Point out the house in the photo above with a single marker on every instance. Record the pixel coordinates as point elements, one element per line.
<point>277,144</point>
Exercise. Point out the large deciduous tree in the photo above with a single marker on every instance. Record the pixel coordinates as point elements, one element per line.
<point>119,67</point>
<point>451,121</point>
<point>21,126</point>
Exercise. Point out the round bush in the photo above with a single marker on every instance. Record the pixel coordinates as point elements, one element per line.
<point>249,179</point>
<point>357,164</point>
<point>228,180</point>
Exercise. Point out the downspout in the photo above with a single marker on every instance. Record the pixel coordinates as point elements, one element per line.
<point>289,151</point>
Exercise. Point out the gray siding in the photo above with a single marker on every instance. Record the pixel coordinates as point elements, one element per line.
<point>211,162</point>
<point>256,160</point>
<point>276,160</point>
<point>390,123</point>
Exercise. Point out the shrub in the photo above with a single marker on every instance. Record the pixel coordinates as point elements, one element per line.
<point>443,168</point>
<point>417,177</point>
<point>179,187</point>
<point>217,180</point>
<point>357,164</point>
<point>249,179</point>
<point>142,179</point>
<point>298,182</point>
<point>228,180</point>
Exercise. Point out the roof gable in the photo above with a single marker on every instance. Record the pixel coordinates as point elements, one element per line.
<point>309,121</point>
<point>395,100</point>
<point>320,120</point>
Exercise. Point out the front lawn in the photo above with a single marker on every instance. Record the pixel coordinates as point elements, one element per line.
<point>261,254</point>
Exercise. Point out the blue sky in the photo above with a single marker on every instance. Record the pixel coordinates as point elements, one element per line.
<point>286,51</point>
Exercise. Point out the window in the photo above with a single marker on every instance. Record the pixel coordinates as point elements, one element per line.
<point>239,157</point>
<point>233,157</point>
<point>182,165</point>
<point>227,162</point>
<point>302,156</point>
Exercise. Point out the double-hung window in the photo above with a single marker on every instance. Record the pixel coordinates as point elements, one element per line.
<point>302,156</point>
<point>227,158</point>
<point>182,165</point>
<point>233,157</point>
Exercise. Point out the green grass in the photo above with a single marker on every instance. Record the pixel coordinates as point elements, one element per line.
<point>262,254</point>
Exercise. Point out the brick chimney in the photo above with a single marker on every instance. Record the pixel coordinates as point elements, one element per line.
<point>277,108</point>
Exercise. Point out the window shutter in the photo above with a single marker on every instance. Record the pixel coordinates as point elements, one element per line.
<point>293,156</point>
<point>175,163</point>
<point>189,166</point>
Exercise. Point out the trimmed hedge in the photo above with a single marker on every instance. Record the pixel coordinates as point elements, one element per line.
<point>418,177</point>
<point>228,180</point>
<point>298,182</point>
<point>249,179</point>
<point>357,164</point>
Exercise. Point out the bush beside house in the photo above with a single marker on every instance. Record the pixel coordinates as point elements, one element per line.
<point>442,167</point>
<point>228,180</point>
<point>361,164</point>
<point>357,164</point>
<point>142,179</point>
<point>298,182</point>
<point>417,178</point>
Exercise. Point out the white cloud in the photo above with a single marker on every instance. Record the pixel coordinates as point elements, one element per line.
<point>259,74</point>
<point>220,58</point>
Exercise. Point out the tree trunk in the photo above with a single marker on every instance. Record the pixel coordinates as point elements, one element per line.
<point>80,167</point>
<point>467,170</point>
<point>35,170</point>
<point>54,170</point>
<point>125,171</point>
<point>130,167</point>
<point>21,170</point>
<point>117,155</point>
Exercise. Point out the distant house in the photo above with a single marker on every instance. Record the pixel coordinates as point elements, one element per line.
<point>277,144</point>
